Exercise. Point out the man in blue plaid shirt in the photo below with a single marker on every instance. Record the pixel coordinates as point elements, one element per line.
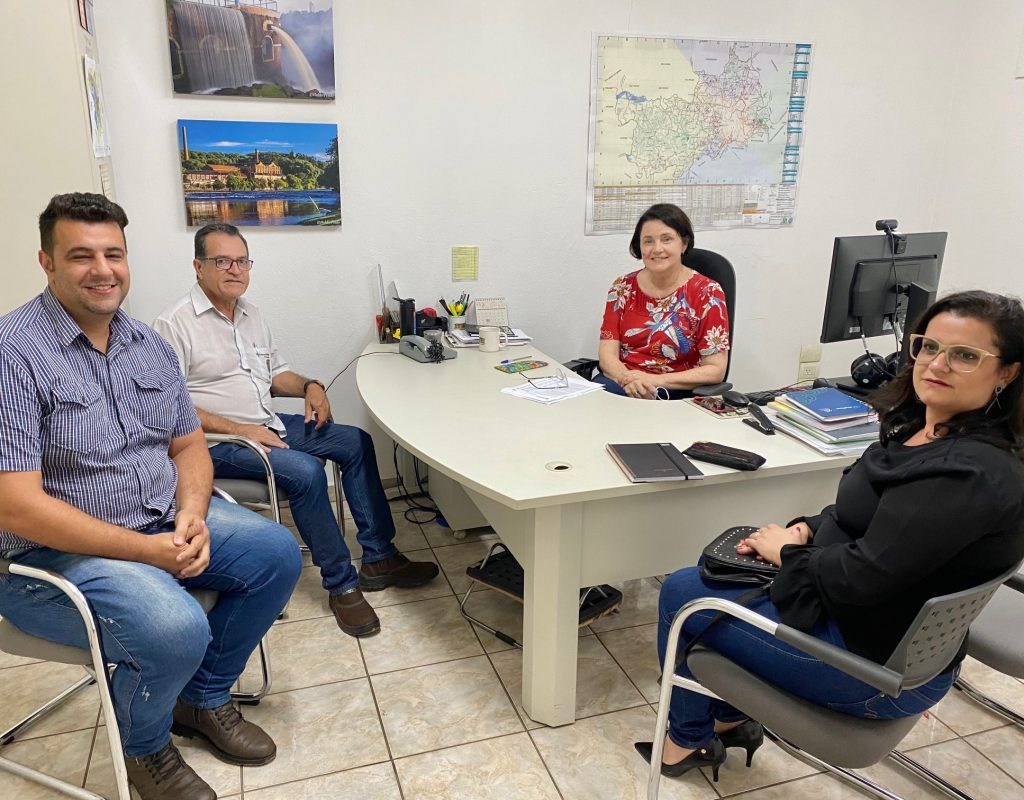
<point>105,478</point>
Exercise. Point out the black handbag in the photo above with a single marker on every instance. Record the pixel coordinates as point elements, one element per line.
<point>720,561</point>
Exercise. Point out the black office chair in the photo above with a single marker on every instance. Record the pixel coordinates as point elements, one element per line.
<point>712,265</point>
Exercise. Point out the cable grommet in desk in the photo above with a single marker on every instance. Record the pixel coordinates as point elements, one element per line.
<point>557,466</point>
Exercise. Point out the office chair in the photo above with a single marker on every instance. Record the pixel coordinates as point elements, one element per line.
<point>256,492</point>
<point>717,267</point>
<point>18,643</point>
<point>826,739</point>
<point>994,641</point>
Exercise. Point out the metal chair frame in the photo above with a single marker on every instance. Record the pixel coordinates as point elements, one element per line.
<point>1015,583</point>
<point>885,678</point>
<point>273,493</point>
<point>99,673</point>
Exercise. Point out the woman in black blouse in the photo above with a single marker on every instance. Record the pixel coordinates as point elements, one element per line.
<point>937,506</point>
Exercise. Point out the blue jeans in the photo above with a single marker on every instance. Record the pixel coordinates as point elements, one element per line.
<point>163,644</point>
<point>692,716</point>
<point>663,393</point>
<point>302,478</point>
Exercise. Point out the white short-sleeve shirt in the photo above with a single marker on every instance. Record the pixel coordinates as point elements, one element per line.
<point>228,364</point>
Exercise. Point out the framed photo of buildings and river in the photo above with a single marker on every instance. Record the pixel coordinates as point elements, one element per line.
<point>259,173</point>
<point>252,48</point>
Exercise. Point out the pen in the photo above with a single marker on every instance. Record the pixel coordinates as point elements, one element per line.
<point>520,358</point>
<point>444,305</point>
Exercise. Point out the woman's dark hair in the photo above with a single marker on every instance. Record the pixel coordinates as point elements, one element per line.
<point>1002,424</point>
<point>671,215</point>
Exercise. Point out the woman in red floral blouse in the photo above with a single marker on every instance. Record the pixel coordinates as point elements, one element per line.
<point>665,328</point>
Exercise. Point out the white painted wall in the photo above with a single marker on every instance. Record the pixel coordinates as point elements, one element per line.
<point>465,122</point>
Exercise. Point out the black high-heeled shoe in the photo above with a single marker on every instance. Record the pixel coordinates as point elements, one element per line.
<point>749,735</point>
<point>711,755</point>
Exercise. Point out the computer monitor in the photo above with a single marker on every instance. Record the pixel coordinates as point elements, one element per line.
<point>880,284</point>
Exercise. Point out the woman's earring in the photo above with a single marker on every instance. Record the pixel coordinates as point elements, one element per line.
<point>995,400</point>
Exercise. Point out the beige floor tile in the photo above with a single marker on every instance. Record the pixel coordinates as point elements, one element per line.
<point>416,634</point>
<point>1004,746</point>
<point>318,731</point>
<point>928,730</point>
<point>394,596</point>
<point>636,651</point>
<point>37,684</point>
<point>63,756</point>
<point>958,763</point>
<point>309,599</point>
<point>7,660</point>
<point>965,716</point>
<point>601,685</point>
<point>311,652</point>
<point>639,605</point>
<point>997,685</point>
<point>439,536</point>
<point>771,765</point>
<point>506,768</point>
<point>375,782</point>
<point>819,787</point>
<point>441,705</point>
<point>226,779</point>
<point>595,759</point>
<point>455,558</point>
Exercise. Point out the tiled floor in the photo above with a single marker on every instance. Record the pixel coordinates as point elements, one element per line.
<point>429,709</point>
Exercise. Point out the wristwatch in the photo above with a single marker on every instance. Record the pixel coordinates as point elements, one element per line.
<point>305,386</point>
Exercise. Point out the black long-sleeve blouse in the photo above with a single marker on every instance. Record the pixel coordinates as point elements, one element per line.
<point>908,524</point>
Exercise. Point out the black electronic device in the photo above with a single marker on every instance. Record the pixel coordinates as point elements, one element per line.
<point>878,285</point>
<point>406,316</point>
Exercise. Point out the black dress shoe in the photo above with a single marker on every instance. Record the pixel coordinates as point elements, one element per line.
<point>711,755</point>
<point>749,735</point>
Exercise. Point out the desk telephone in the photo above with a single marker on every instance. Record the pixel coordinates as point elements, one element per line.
<point>420,349</point>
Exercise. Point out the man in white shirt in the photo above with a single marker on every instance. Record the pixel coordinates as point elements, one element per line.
<point>233,368</point>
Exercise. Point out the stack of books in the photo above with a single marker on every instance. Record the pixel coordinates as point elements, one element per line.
<point>828,420</point>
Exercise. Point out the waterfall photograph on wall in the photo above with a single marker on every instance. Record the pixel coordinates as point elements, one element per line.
<point>259,173</point>
<point>252,48</point>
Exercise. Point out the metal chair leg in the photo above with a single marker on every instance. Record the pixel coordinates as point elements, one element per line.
<point>99,674</point>
<point>980,697</point>
<point>253,698</point>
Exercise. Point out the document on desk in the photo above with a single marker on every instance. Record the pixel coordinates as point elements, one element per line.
<point>554,390</point>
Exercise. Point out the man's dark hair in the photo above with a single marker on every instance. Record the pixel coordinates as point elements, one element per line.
<point>671,215</point>
<point>901,413</point>
<point>81,206</point>
<point>216,227</point>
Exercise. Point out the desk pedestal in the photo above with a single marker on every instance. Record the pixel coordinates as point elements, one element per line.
<point>565,547</point>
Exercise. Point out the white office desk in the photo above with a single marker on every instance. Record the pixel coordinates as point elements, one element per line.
<point>585,524</point>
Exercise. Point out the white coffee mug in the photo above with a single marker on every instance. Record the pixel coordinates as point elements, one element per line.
<point>492,339</point>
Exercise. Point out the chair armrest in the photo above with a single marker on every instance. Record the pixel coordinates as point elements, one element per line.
<point>584,367</point>
<point>882,678</point>
<point>711,389</point>
<point>245,441</point>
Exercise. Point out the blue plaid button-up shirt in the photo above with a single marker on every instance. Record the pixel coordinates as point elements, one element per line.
<point>96,425</point>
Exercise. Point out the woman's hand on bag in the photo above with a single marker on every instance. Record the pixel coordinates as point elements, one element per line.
<point>767,542</point>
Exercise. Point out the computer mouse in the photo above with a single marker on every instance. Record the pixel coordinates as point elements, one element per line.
<point>823,383</point>
<point>735,399</point>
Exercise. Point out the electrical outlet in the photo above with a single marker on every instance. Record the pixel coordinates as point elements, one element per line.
<point>809,371</point>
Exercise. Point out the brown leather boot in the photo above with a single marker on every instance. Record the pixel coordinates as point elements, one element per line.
<point>396,570</point>
<point>353,614</point>
<point>230,737</point>
<point>164,775</point>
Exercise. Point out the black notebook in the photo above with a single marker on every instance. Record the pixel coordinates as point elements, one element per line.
<point>644,463</point>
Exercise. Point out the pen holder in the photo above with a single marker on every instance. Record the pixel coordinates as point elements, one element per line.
<point>456,323</point>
